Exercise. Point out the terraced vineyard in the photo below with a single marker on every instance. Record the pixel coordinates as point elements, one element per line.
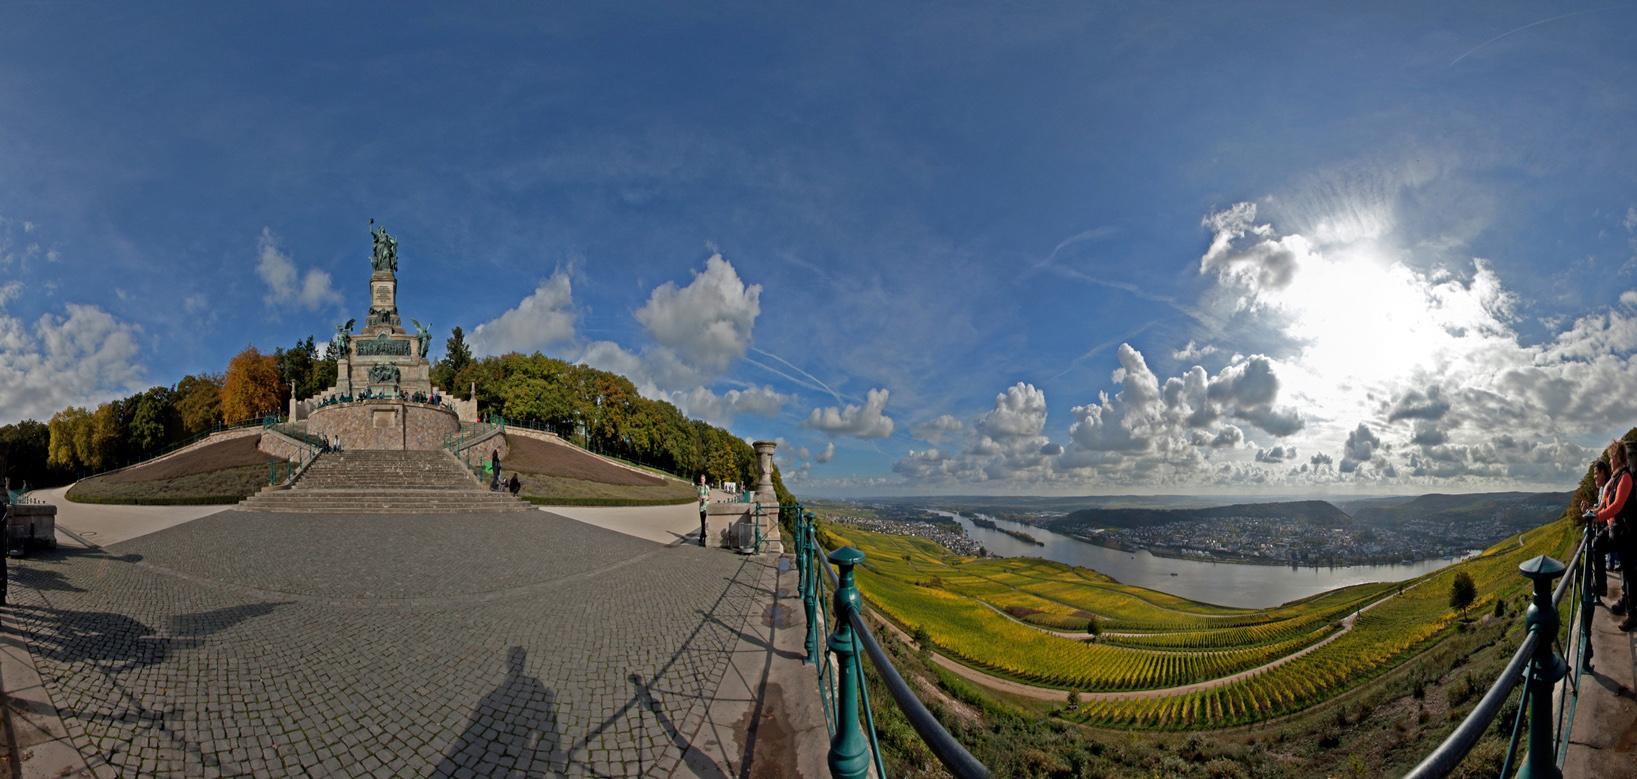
<point>999,616</point>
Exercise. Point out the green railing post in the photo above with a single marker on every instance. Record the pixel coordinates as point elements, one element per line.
<point>849,751</point>
<point>1545,670</point>
<point>1588,601</point>
<point>809,594</point>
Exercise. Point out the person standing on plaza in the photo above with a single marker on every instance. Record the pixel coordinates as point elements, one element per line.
<point>1600,531</point>
<point>704,505</point>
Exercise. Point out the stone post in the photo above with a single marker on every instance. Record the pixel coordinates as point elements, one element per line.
<point>764,472</point>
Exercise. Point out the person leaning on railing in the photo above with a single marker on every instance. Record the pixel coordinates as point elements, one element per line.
<point>1600,537</point>
<point>1620,515</point>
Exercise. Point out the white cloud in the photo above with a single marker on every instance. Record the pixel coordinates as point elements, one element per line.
<point>1192,352</point>
<point>937,430</point>
<point>286,285</point>
<point>82,359</point>
<point>866,421</point>
<point>702,403</point>
<point>1630,221</point>
<point>826,454</point>
<point>542,319</point>
<point>708,323</point>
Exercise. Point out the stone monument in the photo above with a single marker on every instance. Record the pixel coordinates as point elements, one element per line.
<point>383,396</point>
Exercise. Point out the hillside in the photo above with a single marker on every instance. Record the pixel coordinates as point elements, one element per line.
<point>1512,510</point>
<point>1316,512</point>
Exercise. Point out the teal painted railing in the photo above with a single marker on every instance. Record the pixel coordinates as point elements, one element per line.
<point>1540,669</point>
<point>843,631</point>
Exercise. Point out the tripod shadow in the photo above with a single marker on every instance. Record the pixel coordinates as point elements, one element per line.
<point>509,730</point>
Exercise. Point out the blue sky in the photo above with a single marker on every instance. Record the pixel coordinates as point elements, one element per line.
<point>1023,248</point>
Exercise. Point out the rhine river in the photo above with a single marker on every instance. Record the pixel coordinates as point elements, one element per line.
<point>1224,584</point>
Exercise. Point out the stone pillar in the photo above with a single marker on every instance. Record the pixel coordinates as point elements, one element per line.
<point>764,472</point>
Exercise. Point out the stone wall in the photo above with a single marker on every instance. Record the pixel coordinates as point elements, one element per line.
<point>384,424</point>
<point>275,445</point>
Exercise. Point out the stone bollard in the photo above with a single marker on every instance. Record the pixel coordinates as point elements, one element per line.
<point>1545,670</point>
<point>849,750</point>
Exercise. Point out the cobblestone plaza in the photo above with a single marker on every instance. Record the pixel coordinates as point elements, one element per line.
<point>375,645</point>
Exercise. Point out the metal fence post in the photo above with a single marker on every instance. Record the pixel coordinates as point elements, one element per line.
<point>849,752</point>
<point>1545,669</point>
<point>809,599</point>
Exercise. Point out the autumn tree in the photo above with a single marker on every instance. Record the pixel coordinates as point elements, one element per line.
<point>252,386</point>
<point>70,447</point>
<point>108,433</point>
<point>199,402</point>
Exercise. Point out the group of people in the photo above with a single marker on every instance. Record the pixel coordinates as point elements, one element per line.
<point>330,444</point>
<point>497,484</point>
<point>1614,519</point>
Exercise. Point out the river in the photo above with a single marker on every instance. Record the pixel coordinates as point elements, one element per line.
<point>1224,584</point>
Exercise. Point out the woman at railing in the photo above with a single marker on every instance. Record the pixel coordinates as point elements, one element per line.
<point>1620,515</point>
<point>1600,543</point>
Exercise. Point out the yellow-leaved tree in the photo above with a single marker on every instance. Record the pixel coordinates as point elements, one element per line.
<point>252,386</point>
<point>70,446</point>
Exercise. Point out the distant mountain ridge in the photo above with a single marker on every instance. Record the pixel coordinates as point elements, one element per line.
<point>1524,507</point>
<point>1317,512</point>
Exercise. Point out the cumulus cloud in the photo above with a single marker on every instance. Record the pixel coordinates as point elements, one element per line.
<point>826,454</point>
<point>707,324</point>
<point>542,319</point>
<point>83,358</point>
<point>866,421</point>
<point>285,283</point>
<point>937,430</point>
<point>703,403</point>
<point>1277,454</point>
<point>1192,352</point>
<point>1360,448</point>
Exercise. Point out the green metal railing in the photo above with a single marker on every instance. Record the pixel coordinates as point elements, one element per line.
<point>1538,665</point>
<point>463,443</point>
<point>854,752</point>
<point>308,447</point>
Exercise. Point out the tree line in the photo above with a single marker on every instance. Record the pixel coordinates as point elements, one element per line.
<point>599,410</point>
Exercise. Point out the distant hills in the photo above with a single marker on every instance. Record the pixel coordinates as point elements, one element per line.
<point>1520,509</point>
<point>1316,512</point>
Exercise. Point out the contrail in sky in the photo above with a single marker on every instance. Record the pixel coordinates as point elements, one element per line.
<point>1535,24</point>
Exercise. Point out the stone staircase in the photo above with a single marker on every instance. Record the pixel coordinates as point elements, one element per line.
<point>384,482</point>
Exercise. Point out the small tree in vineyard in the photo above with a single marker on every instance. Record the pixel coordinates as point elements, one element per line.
<point>1462,592</point>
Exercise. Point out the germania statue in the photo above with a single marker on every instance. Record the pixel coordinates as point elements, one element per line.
<point>385,255</point>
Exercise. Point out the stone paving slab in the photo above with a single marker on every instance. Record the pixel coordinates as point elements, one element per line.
<point>435,646</point>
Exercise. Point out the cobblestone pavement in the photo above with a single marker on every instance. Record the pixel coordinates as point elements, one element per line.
<point>276,645</point>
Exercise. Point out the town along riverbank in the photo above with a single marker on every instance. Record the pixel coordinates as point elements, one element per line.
<point>1224,584</point>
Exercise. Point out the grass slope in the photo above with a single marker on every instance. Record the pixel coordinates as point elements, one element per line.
<point>220,473</point>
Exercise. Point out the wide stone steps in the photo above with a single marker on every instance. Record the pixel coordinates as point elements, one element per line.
<point>385,482</point>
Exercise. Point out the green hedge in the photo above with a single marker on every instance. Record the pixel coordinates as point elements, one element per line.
<point>196,500</point>
<point>543,501</point>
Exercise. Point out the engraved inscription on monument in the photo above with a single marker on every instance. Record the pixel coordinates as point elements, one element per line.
<point>382,345</point>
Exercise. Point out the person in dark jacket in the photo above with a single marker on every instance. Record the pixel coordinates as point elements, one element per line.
<point>1620,513</point>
